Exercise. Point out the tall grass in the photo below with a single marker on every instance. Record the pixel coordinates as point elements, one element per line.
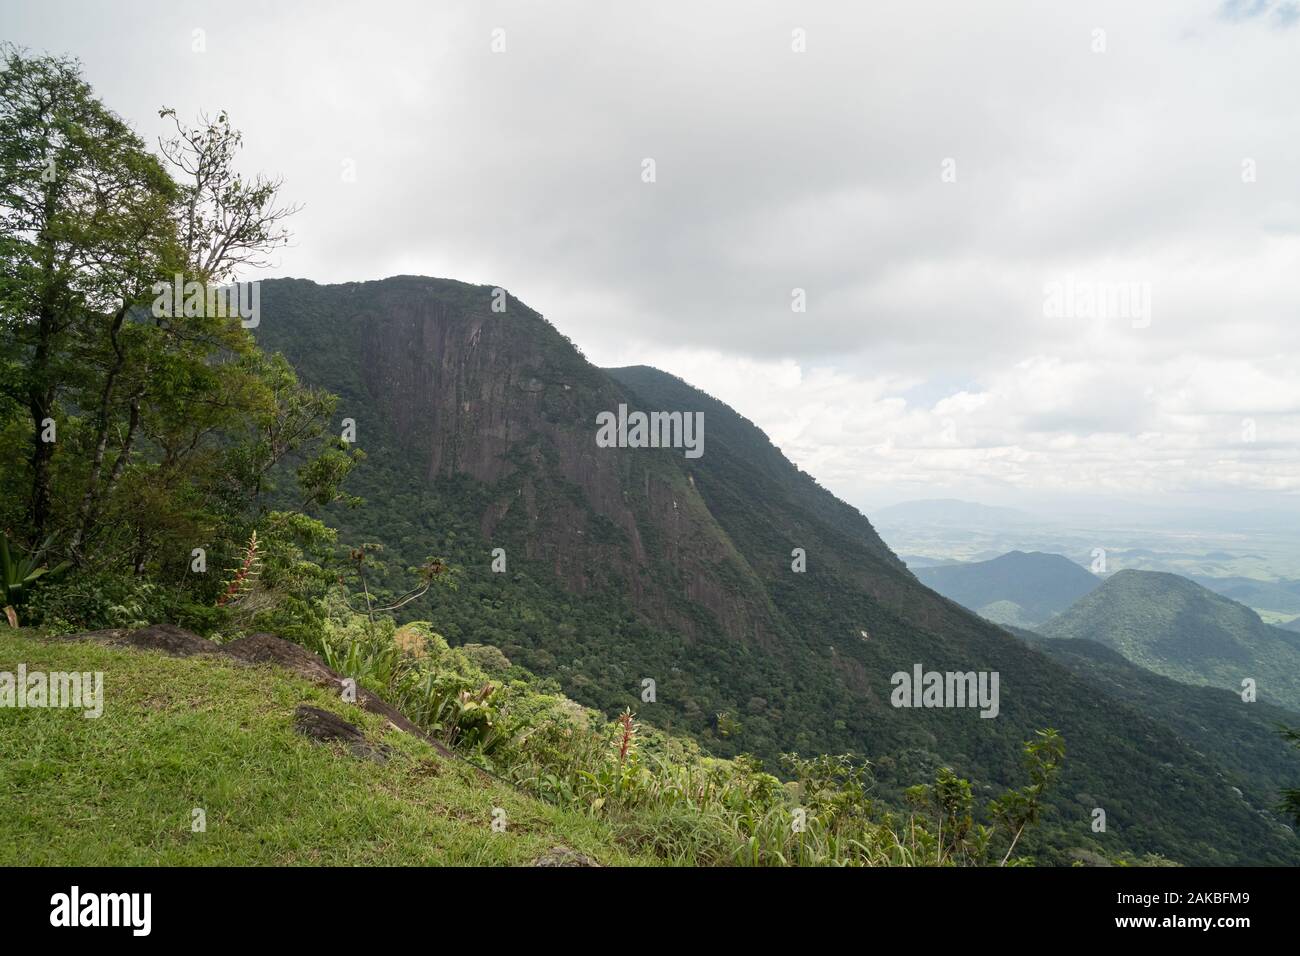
<point>662,794</point>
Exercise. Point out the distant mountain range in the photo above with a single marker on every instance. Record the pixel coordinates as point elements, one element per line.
<point>1173,626</point>
<point>1018,588</point>
<point>1282,596</point>
<point>1237,554</point>
<point>1164,622</point>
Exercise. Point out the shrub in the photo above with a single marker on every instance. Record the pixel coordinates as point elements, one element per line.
<point>92,600</point>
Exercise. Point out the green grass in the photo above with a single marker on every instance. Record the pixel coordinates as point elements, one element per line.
<point>177,734</point>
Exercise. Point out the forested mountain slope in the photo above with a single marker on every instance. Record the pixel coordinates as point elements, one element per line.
<point>1240,738</point>
<point>1173,626</point>
<point>626,564</point>
<point>1031,587</point>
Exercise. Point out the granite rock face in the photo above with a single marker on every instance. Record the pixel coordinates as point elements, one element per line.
<point>505,399</point>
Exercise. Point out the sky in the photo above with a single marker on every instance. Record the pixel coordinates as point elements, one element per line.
<point>1045,252</point>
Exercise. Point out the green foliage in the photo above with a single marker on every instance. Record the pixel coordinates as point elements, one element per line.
<point>1174,627</point>
<point>1017,809</point>
<point>1240,739</point>
<point>94,600</point>
<point>1290,804</point>
<point>180,733</point>
<point>659,792</point>
<point>18,573</point>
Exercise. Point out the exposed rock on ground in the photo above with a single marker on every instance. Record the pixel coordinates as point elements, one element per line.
<point>259,648</point>
<point>269,649</point>
<point>563,856</point>
<point>324,727</point>
<point>167,638</point>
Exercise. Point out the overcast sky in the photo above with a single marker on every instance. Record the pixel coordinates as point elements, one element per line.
<point>930,174</point>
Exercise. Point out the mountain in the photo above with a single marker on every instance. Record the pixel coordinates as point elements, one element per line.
<point>633,564</point>
<point>1175,627</point>
<point>1243,740</point>
<point>1017,588</point>
<point>1282,596</point>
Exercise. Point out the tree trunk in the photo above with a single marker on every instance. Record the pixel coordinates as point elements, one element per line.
<point>91,516</point>
<point>40,402</point>
<point>89,506</point>
<point>40,390</point>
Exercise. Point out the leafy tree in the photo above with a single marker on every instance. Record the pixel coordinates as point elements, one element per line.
<point>86,228</point>
<point>167,423</point>
<point>1017,809</point>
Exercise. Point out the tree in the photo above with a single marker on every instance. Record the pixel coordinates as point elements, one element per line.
<point>170,422</point>
<point>1017,809</point>
<point>226,221</point>
<point>86,228</point>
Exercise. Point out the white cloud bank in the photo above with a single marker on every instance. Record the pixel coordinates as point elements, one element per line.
<point>925,364</point>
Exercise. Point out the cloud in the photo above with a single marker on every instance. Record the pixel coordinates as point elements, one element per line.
<point>1105,143</point>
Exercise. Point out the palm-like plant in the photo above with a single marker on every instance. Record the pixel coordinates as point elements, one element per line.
<point>18,574</point>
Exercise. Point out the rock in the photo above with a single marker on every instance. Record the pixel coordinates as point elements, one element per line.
<point>269,649</point>
<point>324,727</point>
<point>563,856</point>
<point>167,638</point>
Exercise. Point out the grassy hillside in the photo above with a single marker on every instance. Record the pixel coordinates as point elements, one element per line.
<point>178,734</point>
<point>1175,627</point>
<point>1018,588</point>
